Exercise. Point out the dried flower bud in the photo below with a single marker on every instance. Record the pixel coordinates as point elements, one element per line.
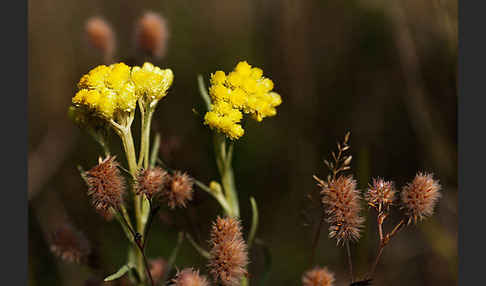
<point>152,34</point>
<point>157,268</point>
<point>100,35</point>
<point>342,205</point>
<point>69,244</point>
<point>229,255</point>
<point>381,194</point>
<point>189,277</point>
<point>151,181</point>
<point>179,190</point>
<point>105,184</point>
<point>420,196</point>
<point>318,277</point>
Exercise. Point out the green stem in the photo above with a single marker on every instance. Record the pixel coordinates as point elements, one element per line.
<point>155,150</point>
<point>129,148</point>
<point>198,248</point>
<point>216,194</point>
<point>254,223</point>
<point>223,160</point>
<point>173,256</point>
<point>145,137</point>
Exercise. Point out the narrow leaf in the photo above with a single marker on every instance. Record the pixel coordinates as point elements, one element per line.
<point>122,271</point>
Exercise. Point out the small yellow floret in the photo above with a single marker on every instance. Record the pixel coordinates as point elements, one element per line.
<point>243,68</point>
<point>218,78</point>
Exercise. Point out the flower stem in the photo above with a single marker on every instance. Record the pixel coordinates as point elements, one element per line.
<point>223,160</point>
<point>145,137</point>
<point>129,148</point>
<point>350,261</point>
<point>384,240</point>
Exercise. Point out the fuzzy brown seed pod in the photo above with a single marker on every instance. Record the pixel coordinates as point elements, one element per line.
<point>380,194</point>
<point>189,277</point>
<point>105,184</point>
<point>229,254</point>
<point>151,181</point>
<point>318,277</point>
<point>69,244</point>
<point>152,34</point>
<point>341,200</point>
<point>420,196</point>
<point>158,267</point>
<point>100,35</point>
<point>179,190</point>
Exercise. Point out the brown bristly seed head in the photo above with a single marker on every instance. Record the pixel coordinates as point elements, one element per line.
<point>341,201</point>
<point>229,254</point>
<point>151,181</point>
<point>100,35</point>
<point>152,34</point>
<point>380,194</point>
<point>225,228</point>
<point>105,184</point>
<point>179,190</point>
<point>420,196</point>
<point>318,277</point>
<point>69,244</point>
<point>158,267</point>
<point>189,277</point>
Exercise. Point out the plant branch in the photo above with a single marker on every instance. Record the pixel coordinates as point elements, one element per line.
<point>384,240</point>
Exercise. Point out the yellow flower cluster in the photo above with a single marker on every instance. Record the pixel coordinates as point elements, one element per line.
<point>242,90</point>
<point>107,90</point>
<point>152,81</point>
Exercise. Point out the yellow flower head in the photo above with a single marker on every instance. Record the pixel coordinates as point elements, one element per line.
<point>151,81</point>
<point>106,90</point>
<point>242,90</point>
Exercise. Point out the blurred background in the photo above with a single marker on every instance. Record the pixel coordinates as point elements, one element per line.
<point>384,70</point>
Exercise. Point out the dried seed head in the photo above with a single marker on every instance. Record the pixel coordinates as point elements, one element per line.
<point>152,34</point>
<point>341,200</point>
<point>105,184</point>
<point>157,268</point>
<point>381,194</point>
<point>100,36</point>
<point>189,277</point>
<point>69,244</point>
<point>420,196</point>
<point>151,181</point>
<point>318,277</point>
<point>179,190</point>
<point>228,255</point>
<point>225,229</point>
